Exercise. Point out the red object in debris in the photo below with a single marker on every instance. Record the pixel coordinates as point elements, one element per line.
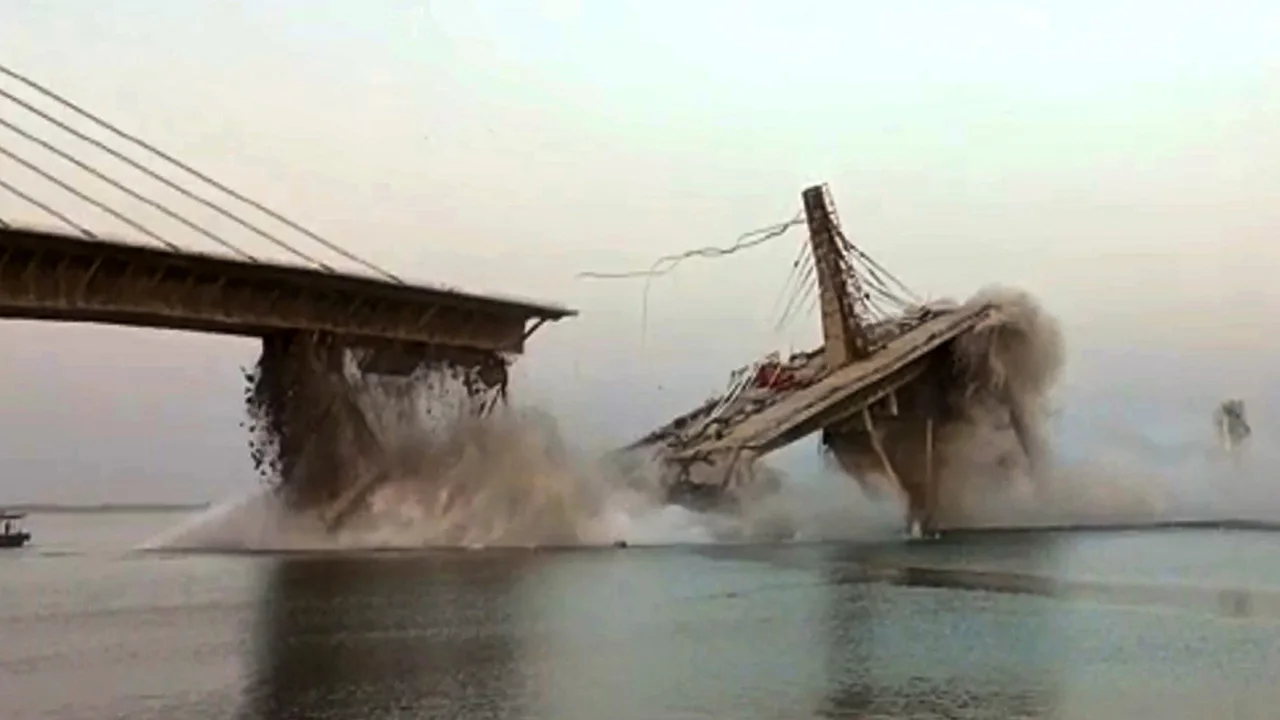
<point>773,376</point>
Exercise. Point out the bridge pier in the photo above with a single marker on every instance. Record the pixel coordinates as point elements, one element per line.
<point>309,431</point>
<point>326,335</point>
<point>310,400</point>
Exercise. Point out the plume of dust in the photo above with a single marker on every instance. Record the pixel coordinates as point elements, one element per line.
<point>458,478</point>
<point>1207,479</point>
<point>1009,365</point>
<point>461,478</point>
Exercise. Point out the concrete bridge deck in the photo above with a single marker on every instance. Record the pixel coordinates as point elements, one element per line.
<point>54,276</point>
<point>836,396</point>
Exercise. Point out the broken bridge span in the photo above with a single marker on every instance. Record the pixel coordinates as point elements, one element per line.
<point>313,319</point>
<point>893,378</point>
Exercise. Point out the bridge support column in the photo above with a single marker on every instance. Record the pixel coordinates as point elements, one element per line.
<point>843,337</point>
<point>929,406</point>
<point>310,399</point>
<point>930,524</point>
<point>316,432</point>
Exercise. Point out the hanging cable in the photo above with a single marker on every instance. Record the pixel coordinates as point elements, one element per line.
<point>668,263</point>
<point>790,286</point>
<point>125,189</point>
<point>44,207</point>
<point>334,247</point>
<point>813,298</point>
<point>873,266</point>
<point>278,242</point>
<point>85,198</point>
<point>806,284</point>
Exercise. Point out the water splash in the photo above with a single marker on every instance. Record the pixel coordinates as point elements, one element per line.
<point>510,480</point>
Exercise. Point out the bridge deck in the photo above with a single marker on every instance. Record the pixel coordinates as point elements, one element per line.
<point>61,277</point>
<point>838,395</point>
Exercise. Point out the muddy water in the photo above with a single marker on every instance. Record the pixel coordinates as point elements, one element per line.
<point>1160,624</point>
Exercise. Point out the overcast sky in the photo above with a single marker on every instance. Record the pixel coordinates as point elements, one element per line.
<point>1118,158</point>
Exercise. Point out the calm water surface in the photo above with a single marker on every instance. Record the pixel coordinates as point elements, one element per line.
<point>1169,624</point>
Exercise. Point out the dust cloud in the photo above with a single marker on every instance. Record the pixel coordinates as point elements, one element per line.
<point>995,459</point>
<point>1009,368</point>
<point>998,462</point>
<point>507,477</point>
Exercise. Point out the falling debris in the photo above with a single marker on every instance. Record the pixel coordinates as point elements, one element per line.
<point>931,403</point>
<point>935,404</point>
<point>316,407</point>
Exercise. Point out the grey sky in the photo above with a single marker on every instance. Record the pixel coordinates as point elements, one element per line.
<point>1118,158</point>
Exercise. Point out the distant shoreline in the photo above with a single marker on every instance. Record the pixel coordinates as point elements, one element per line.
<point>101,508</point>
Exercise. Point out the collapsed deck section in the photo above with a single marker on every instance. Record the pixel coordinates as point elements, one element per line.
<point>896,389</point>
<point>837,396</point>
<point>781,404</point>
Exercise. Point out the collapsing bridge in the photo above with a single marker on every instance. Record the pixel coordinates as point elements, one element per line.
<point>887,391</point>
<point>325,333</point>
<point>882,390</point>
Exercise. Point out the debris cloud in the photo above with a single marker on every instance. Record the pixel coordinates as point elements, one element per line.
<point>509,479</point>
<point>462,470</point>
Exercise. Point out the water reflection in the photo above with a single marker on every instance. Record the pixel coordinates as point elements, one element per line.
<point>645,634</point>
<point>373,637</point>
<point>902,643</point>
<point>977,627</point>
<point>1236,604</point>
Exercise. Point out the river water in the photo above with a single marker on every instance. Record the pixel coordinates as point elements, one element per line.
<point>1170,624</point>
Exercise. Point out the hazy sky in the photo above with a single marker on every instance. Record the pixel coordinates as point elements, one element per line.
<point>1118,158</point>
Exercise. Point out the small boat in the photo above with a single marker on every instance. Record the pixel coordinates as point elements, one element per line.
<point>11,533</point>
